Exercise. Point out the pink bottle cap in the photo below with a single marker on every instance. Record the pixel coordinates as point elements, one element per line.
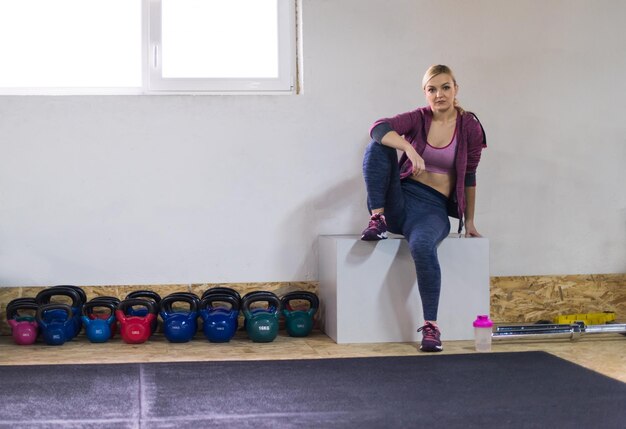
<point>483,321</point>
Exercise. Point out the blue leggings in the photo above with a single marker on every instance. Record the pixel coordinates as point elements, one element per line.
<point>414,210</point>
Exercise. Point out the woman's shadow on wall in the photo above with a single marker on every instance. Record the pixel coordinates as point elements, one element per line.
<point>336,210</point>
<point>341,210</point>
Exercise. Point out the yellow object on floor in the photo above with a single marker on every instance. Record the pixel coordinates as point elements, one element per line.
<point>587,319</point>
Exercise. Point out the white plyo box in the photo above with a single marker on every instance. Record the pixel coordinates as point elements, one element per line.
<point>368,290</point>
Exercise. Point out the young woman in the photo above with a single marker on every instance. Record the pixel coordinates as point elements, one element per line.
<point>435,177</point>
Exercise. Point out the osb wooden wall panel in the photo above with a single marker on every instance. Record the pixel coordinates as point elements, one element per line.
<point>533,298</point>
<point>513,299</point>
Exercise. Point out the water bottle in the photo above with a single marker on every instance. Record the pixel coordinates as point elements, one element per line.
<point>482,333</point>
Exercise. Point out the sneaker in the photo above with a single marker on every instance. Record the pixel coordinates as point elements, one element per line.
<point>376,230</point>
<point>430,338</point>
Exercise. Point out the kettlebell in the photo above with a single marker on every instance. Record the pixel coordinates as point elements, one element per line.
<point>24,329</point>
<point>150,295</point>
<point>219,322</point>
<point>299,323</point>
<point>135,329</point>
<point>56,323</point>
<point>261,323</point>
<point>179,326</point>
<point>98,329</point>
<point>99,315</point>
<point>44,297</point>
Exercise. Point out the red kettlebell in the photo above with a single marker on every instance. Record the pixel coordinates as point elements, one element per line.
<point>135,329</point>
<point>150,296</point>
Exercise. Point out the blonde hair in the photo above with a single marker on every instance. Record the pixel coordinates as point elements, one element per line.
<point>435,70</point>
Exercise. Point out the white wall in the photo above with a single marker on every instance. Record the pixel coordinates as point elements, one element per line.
<point>176,189</point>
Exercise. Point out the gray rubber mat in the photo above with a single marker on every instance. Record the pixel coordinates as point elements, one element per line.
<point>530,390</point>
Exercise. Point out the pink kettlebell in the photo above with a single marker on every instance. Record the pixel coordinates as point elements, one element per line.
<point>24,328</point>
<point>24,331</point>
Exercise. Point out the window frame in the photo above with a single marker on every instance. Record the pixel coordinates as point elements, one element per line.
<point>154,84</point>
<point>284,83</point>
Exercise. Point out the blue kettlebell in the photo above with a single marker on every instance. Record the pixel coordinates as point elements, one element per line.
<point>298,322</point>
<point>98,329</point>
<point>115,326</point>
<point>219,322</point>
<point>261,323</point>
<point>56,323</point>
<point>179,326</point>
<point>44,297</point>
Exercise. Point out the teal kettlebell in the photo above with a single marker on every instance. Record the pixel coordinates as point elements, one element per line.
<point>299,323</point>
<point>261,323</point>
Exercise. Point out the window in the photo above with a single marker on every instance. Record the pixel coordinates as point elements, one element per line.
<point>60,44</point>
<point>147,46</point>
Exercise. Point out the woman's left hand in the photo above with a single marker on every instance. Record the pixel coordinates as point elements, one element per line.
<point>470,229</point>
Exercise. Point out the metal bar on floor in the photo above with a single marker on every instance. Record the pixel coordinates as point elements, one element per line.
<point>541,331</point>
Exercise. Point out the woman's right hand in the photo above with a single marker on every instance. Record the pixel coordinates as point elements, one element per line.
<point>396,141</point>
<point>416,161</point>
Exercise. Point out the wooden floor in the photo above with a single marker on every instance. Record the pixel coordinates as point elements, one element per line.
<point>604,353</point>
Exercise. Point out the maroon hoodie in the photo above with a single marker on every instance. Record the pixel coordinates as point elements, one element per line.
<point>414,126</point>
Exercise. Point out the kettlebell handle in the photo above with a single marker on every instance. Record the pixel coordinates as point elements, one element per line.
<point>260,296</point>
<point>115,300</point>
<point>220,297</point>
<point>53,306</point>
<point>303,295</point>
<point>145,294</point>
<point>131,302</point>
<point>88,307</point>
<point>192,300</point>
<point>79,290</point>
<point>222,290</point>
<point>12,310</point>
<point>43,297</point>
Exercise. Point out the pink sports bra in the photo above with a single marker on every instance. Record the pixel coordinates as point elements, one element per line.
<point>440,159</point>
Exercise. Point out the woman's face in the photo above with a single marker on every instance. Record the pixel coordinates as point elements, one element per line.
<point>440,93</point>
